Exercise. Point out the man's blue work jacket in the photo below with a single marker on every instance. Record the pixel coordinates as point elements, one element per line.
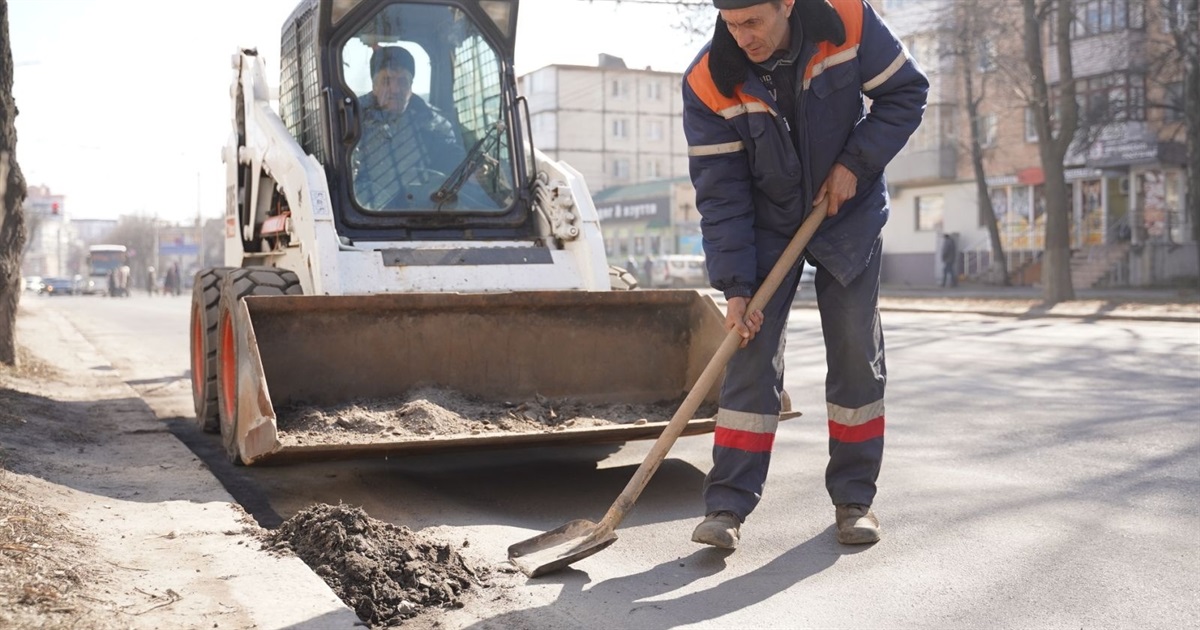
<point>751,182</point>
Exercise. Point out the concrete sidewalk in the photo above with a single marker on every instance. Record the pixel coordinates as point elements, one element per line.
<point>1172,305</point>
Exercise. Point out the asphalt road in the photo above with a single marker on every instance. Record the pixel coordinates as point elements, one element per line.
<point>1040,472</point>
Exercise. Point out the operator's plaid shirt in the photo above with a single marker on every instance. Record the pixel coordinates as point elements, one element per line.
<point>387,157</point>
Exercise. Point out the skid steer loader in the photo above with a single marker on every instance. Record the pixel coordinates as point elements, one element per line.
<point>370,252</point>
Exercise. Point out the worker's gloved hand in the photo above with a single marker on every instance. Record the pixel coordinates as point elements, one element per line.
<point>736,317</point>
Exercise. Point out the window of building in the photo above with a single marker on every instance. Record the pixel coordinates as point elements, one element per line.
<point>620,168</point>
<point>654,91</point>
<point>929,213</point>
<point>987,55</point>
<point>1175,17</point>
<point>620,88</point>
<point>1173,111</point>
<point>1020,205</point>
<point>999,198</point>
<point>1031,134</point>
<point>1113,97</point>
<point>654,130</point>
<point>986,128</point>
<point>653,169</point>
<point>620,128</point>
<point>1096,17</point>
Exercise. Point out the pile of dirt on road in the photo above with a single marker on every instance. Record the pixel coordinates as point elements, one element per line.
<point>385,572</point>
<point>432,411</point>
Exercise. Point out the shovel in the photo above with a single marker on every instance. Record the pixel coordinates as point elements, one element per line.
<point>557,548</point>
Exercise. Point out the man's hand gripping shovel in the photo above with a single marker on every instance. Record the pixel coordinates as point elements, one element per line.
<point>557,548</point>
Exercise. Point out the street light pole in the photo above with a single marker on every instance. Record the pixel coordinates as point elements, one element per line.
<point>199,227</point>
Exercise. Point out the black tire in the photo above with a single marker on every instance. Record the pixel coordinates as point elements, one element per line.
<point>206,296</point>
<point>239,284</point>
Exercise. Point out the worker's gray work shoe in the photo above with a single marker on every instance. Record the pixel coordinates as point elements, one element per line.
<point>856,525</point>
<point>719,529</point>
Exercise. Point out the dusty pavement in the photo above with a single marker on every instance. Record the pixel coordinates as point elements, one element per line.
<point>116,522</point>
<point>107,521</point>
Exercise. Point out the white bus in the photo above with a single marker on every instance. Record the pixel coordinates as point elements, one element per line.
<point>101,261</point>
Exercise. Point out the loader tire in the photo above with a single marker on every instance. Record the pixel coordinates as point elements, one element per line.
<point>239,284</point>
<point>206,296</point>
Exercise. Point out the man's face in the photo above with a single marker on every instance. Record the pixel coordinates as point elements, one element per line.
<point>760,29</point>
<point>392,88</point>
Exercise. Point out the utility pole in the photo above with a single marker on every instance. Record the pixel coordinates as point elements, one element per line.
<point>199,227</point>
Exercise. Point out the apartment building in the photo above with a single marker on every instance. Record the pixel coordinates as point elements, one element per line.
<point>930,182</point>
<point>622,129</point>
<point>50,249</point>
<point>1124,172</point>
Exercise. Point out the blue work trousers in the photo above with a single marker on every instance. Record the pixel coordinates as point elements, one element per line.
<point>854,386</point>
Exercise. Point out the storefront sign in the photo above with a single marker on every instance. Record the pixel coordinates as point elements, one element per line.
<point>637,210</point>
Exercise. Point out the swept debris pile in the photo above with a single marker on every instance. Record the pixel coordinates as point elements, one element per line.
<point>440,412</point>
<point>385,572</point>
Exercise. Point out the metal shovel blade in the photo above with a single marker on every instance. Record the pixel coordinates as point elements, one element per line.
<point>557,548</point>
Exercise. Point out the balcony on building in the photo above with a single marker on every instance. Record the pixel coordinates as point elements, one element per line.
<point>931,155</point>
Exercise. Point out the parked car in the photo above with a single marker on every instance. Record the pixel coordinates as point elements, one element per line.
<point>34,283</point>
<point>60,286</point>
<point>678,271</point>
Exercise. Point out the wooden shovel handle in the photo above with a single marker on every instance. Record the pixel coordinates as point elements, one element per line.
<point>708,378</point>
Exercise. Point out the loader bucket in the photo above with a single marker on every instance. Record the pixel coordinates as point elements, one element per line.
<point>634,347</point>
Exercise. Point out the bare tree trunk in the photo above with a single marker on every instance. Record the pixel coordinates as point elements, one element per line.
<point>1056,262</point>
<point>968,29</point>
<point>12,193</point>
<point>1191,100</point>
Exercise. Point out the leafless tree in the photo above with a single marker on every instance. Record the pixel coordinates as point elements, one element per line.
<point>1183,59</point>
<point>971,28</point>
<point>696,17</point>
<point>138,233</point>
<point>12,194</point>
<point>1055,134</point>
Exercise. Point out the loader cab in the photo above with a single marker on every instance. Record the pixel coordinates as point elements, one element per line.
<point>415,123</point>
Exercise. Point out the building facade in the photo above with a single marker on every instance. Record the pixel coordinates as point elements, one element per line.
<point>1125,173</point>
<point>615,125</point>
<point>647,220</point>
<point>51,249</point>
<point>622,129</point>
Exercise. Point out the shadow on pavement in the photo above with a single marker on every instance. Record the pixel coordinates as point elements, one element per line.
<point>629,596</point>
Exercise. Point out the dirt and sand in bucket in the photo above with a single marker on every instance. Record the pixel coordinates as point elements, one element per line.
<point>438,412</point>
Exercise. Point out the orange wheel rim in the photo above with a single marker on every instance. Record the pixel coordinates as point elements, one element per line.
<point>228,368</point>
<point>198,355</point>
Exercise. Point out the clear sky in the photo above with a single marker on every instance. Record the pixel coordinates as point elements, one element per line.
<point>124,104</point>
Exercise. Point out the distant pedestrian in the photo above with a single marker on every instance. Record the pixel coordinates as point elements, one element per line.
<point>648,268</point>
<point>151,281</point>
<point>123,276</point>
<point>173,274</point>
<point>949,261</point>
